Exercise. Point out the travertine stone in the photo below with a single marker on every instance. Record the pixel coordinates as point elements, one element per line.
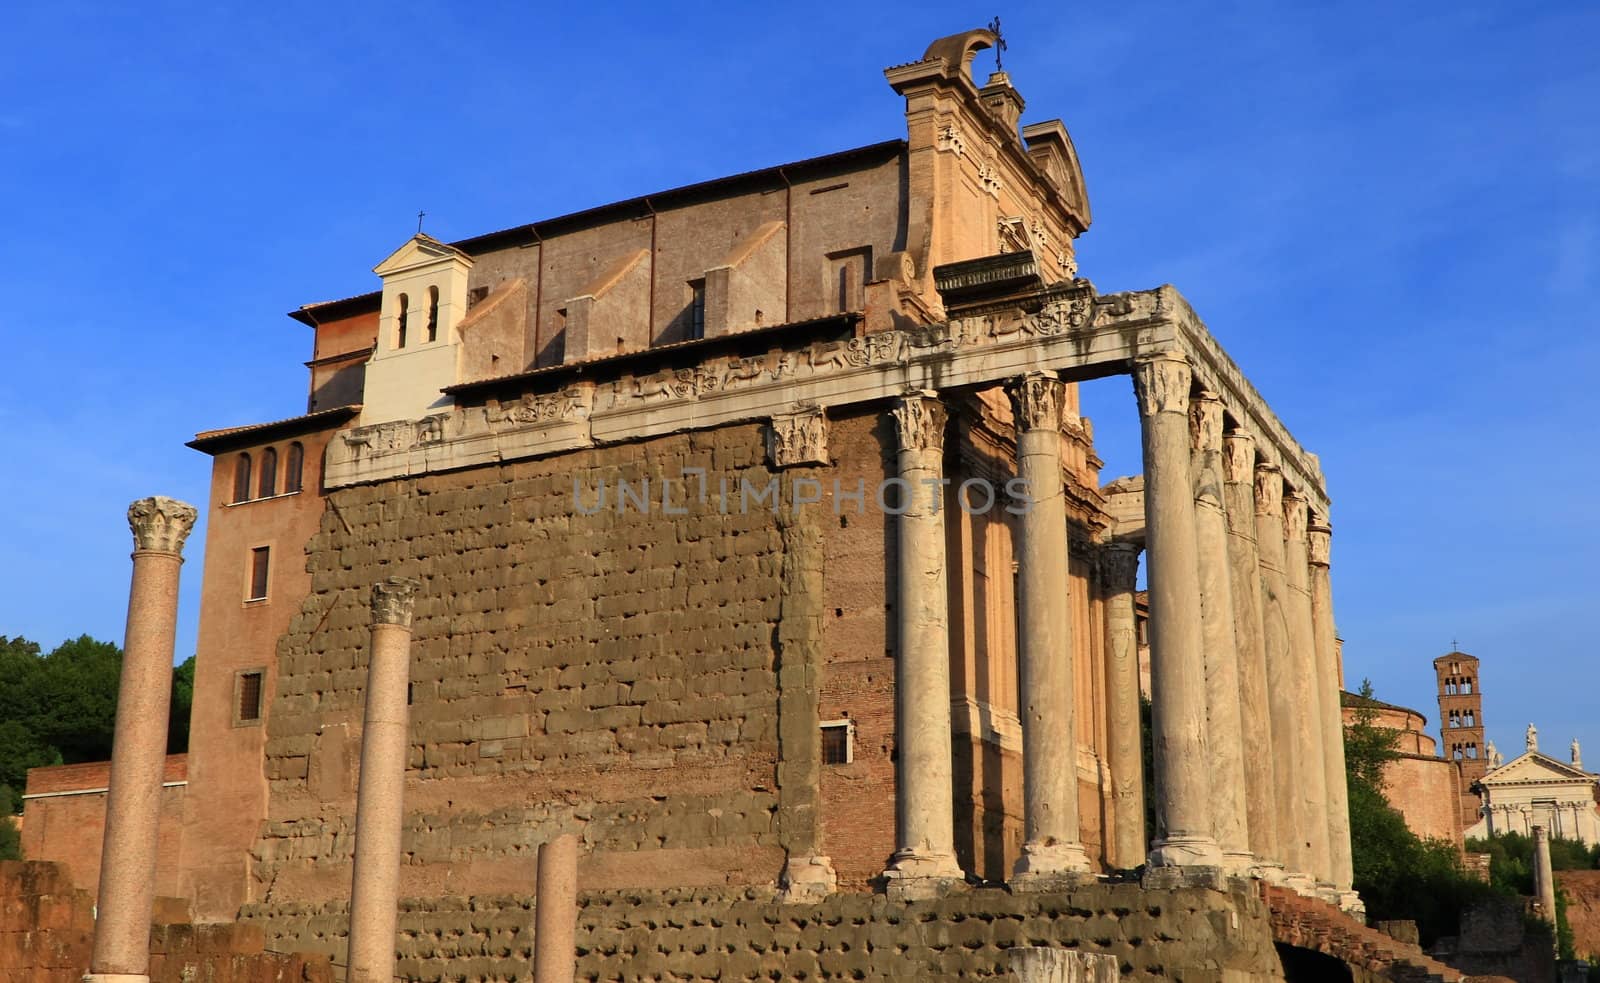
<point>138,754</point>
<point>1255,720</point>
<point>1320,548</point>
<point>1048,964</point>
<point>375,878</point>
<point>1310,732</point>
<point>1288,692</point>
<point>556,911</point>
<point>1045,644</point>
<point>1119,567</point>
<point>1223,732</point>
<point>1177,657</point>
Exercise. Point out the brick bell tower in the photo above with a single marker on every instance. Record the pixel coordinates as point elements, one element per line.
<point>1461,725</point>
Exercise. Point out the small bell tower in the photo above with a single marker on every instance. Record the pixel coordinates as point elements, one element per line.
<point>417,353</point>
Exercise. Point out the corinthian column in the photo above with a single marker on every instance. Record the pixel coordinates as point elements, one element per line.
<point>1119,567</point>
<point>1320,548</point>
<point>1239,465</point>
<point>1223,738</point>
<point>1303,642</point>
<point>925,861</point>
<point>138,755</point>
<point>375,880</point>
<point>1049,739</point>
<point>1184,836</point>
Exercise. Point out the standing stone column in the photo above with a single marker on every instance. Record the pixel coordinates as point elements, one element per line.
<point>1184,835</point>
<point>1119,568</point>
<point>1223,731</point>
<point>1303,644</point>
<point>555,912</point>
<point>1320,547</point>
<point>925,861</point>
<point>139,753</point>
<point>1288,690</point>
<point>1239,466</point>
<point>375,880</point>
<point>1544,879</point>
<point>1044,640</point>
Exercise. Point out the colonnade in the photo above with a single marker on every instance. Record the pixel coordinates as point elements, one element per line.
<point>1247,750</point>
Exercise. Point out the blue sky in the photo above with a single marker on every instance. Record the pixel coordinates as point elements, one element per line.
<point>1389,214</point>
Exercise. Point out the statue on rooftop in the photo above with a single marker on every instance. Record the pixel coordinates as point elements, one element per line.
<point>1533,738</point>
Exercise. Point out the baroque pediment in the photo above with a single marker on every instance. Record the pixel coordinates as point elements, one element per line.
<point>1534,767</point>
<point>420,250</point>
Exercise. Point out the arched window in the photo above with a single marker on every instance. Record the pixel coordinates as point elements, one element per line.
<point>268,486</point>
<point>433,313</point>
<point>292,466</point>
<point>1466,686</point>
<point>400,323</point>
<point>241,479</point>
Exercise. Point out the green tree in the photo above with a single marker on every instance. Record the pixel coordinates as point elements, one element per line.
<point>10,838</point>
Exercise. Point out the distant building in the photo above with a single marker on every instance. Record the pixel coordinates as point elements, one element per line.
<point>1461,725</point>
<point>1425,788</point>
<point>1534,789</point>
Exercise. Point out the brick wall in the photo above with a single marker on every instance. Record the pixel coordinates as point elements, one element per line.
<point>1427,792</point>
<point>66,822</point>
<point>1582,888</point>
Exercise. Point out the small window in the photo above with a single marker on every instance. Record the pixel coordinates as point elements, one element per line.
<point>259,561</point>
<point>400,322</point>
<point>1466,686</point>
<point>241,479</point>
<point>249,690</point>
<point>838,742</point>
<point>293,463</point>
<point>433,313</point>
<point>269,474</point>
<point>697,310</point>
<point>846,279</point>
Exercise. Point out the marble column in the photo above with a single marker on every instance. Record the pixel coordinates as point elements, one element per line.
<point>375,879</point>
<point>121,951</point>
<point>1255,721</point>
<point>1303,645</point>
<point>1119,568</point>
<point>1184,836</point>
<point>1544,880</point>
<point>1052,846</point>
<point>556,912</point>
<point>1223,731</point>
<point>924,863</point>
<point>1288,690</point>
<point>1319,542</point>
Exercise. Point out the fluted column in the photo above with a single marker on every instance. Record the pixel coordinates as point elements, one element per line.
<point>1303,641</point>
<point>1239,465</point>
<point>1288,690</point>
<point>556,913</point>
<point>925,860</point>
<point>1223,737</point>
<point>1319,543</point>
<point>1044,640</point>
<point>1184,835</point>
<point>375,879</point>
<point>139,753</point>
<point>1119,568</point>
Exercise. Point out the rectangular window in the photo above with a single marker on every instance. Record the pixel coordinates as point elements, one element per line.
<point>258,572</point>
<point>838,744</point>
<point>697,310</point>
<point>846,279</point>
<point>249,690</point>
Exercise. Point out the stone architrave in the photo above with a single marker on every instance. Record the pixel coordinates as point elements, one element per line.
<point>1049,964</point>
<point>1311,732</point>
<point>924,861</point>
<point>1319,542</point>
<point>1288,691</point>
<point>1255,721</point>
<point>1177,656</point>
<point>375,878</point>
<point>556,911</point>
<point>121,951</point>
<point>1045,645</point>
<point>1224,737</point>
<point>1119,568</point>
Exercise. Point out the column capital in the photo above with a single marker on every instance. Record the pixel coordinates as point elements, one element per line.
<point>160,524</point>
<point>919,419</point>
<point>1205,421</point>
<point>1161,382</point>
<point>1295,516</point>
<point>1038,401</point>
<point>1119,565</point>
<point>1238,456</point>
<point>1269,489</point>
<point>1321,541</point>
<point>392,601</point>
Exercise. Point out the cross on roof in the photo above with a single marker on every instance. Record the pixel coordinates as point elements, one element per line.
<point>419,222</point>
<point>999,42</point>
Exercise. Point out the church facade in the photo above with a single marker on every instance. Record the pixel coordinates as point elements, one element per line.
<point>1535,789</point>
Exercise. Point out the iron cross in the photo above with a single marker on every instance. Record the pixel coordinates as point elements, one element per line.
<point>419,222</point>
<point>999,42</point>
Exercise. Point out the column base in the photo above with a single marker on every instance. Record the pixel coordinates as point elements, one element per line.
<point>1186,851</point>
<point>1179,878</point>
<point>1351,904</point>
<point>115,978</point>
<point>916,876</point>
<point>807,880</point>
<point>1269,871</point>
<point>1237,864</point>
<point>1301,884</point>
<point>1048,866</point>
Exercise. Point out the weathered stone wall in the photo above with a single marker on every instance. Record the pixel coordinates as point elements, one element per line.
<point>690,936</point>
<point>614,671</point>
<point>1582,888</point>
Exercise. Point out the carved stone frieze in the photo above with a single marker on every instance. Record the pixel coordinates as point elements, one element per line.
<point>160,524</point>
<point>569,405</point>
<point>392,601</point>
<point>919,420</point>
<point>989,179</point>
<point>799,438</point>
<point>1037,401</point>
<point>952,140</point>
<point>1162,383</point>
